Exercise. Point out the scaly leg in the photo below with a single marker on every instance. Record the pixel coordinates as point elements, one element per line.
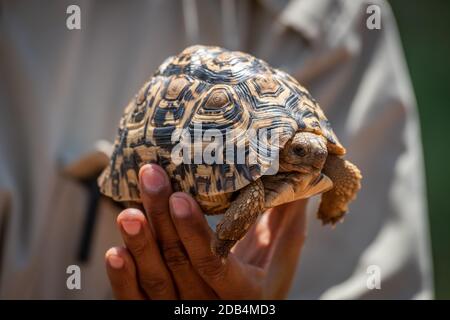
<point>238,218</point>
<point>346,179</point>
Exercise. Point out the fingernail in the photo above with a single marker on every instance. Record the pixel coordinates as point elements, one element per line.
<point>180,207</point>
<point>115,261</point>
<point>131,227</point>
<point>152,179</point>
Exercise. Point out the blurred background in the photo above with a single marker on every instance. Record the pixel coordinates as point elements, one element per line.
<point>425,32</point>
<point>27,42</point>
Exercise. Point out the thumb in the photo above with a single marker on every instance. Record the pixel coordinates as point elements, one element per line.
<point>288,223</point>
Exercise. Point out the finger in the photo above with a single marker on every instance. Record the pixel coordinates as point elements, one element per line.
<point>122,274</point>
<point>223,276</point>
<point>155,197</point>
<point>153,276</point>
<point>155,192</point>
<point>288,224</point>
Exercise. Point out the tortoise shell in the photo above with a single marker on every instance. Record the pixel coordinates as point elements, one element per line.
<point>206,88</point>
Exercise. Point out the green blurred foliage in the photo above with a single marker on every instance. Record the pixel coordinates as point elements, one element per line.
<point>425,31</point>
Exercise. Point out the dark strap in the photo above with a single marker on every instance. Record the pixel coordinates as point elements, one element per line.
<point>85,245</point>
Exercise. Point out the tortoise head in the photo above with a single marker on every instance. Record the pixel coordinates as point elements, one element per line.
<point>306,152</point>
<point>300,172</point>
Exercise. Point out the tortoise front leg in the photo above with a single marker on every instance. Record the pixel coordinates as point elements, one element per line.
<point>346,179</point>
<point>238,218</point>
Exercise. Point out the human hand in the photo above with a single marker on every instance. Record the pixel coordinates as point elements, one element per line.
<point>168,254</point>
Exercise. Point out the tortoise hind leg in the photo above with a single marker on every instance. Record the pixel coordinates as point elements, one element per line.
<point>238,218</point>
<point>346,179</point>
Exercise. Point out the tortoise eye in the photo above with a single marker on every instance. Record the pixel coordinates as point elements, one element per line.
<point>299,151</point>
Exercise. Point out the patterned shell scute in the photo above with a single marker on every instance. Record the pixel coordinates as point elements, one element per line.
<point>206,88</point>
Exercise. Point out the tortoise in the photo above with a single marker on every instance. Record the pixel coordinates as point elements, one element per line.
<point>208,89</point>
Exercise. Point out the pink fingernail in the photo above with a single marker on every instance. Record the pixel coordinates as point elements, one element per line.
<point>115,261</point>
<point>181,207</point>
<point>152,179</point>
<point>131,227</point>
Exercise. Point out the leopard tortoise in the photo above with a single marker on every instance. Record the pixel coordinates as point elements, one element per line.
<point>231,93</point>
